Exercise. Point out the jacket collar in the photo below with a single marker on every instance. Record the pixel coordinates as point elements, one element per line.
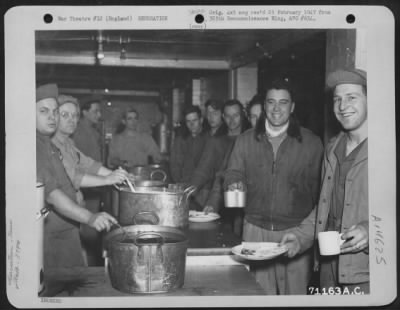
<point>361,156</point>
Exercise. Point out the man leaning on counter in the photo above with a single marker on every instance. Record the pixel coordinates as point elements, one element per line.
<point>62,245</point>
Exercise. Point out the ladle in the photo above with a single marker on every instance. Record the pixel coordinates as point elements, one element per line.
<point>123,231</point>
<point>130,185</point>
<point>132,188</point>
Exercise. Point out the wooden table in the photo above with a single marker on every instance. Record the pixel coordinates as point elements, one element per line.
<point>200,280</point>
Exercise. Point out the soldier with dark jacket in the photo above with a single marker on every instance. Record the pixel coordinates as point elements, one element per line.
<point>214,124</point>
<point>187,149</point>
<point>219,146</point>
<point>278,164</point>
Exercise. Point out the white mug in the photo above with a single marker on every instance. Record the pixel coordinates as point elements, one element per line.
<point>329,242</point>
<point>235,199</point>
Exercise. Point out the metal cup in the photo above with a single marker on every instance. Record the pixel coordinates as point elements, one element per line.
<point>235,199</point>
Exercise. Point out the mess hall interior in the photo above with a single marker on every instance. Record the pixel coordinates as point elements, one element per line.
<point>160,74</point>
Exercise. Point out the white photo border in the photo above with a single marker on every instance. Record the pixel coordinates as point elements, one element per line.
<point>20,26</point>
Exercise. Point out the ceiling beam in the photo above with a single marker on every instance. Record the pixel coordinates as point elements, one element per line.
<point>111,60</point>
<point>112,92</point>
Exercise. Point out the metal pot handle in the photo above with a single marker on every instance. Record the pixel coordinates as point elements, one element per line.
<point>158,171</point>
<point>145,212</point>
<point>189,191</point>
<point>159,254</point>
<point>106,263</point>
<point>108,268</point>
<point>148,233</point>
<point>186,193</point>
<point>117,187</point>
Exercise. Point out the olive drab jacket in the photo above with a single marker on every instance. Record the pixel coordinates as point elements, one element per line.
<point>353,267</point>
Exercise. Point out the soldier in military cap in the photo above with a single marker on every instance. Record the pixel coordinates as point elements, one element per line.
<point>62,245</point>
<point>82,170</point>
<point>343,202</point>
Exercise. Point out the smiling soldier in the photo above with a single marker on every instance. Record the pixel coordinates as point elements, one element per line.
<point>343,203</point>
<point>278,163</point>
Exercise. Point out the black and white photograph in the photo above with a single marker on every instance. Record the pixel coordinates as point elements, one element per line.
<point>216,158</point>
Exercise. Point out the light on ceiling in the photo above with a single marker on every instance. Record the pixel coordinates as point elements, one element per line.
<point>100,52</point>
<point>106,90</point>
<point>122,56</point>
<point>100,39</point>
<point>109,103</point>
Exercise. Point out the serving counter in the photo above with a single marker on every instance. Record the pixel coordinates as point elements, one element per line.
<point>211,270</point>
<point>200,280</point>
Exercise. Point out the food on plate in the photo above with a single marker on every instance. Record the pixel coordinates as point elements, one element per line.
<point>202,214</point>
<point>248,251</point>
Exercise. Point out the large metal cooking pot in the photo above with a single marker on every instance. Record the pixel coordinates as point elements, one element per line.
<point>150,172</point>
<point>140,171</point>
<point>170,206</point>
<point>146,258</point>
<point>147,183</point>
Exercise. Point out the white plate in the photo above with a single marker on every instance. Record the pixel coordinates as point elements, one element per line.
<point>200,217</point>
<point>261,250</point>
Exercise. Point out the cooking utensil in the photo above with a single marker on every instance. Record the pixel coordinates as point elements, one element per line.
<point>140,171</point>
<point>148,173</point>
<point>170,206</point>
<point>132,188</point>
<point>151,260</point>
<point>123,230</point>
<point>148,183</point>
<point>160,172</point>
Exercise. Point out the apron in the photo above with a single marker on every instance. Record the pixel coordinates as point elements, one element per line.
<point>62,248</point>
